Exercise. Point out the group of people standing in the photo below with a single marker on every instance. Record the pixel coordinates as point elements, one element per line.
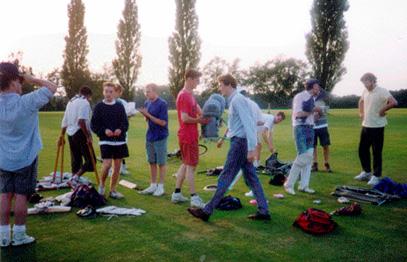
<point>20,142</point>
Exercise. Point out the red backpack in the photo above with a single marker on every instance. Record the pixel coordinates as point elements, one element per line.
<point>315,222</point>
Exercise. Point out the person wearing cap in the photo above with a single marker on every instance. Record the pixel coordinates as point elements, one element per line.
<point>189,116</point>
<point>242,152</point>
<point>20,143</point>
<point>373,105</point>
<point>321,129</point>
<point>303,127</point>
<point>76,123</point>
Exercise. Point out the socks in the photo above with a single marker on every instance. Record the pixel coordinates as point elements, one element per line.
<point>4,229</point>
<point>177,190</point>
<point>19,228</point>
<point>153,184</point>
<point>194,194</point>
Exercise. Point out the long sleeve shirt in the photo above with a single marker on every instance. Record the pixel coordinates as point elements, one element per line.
<point>241,122</point>
<point>20,139</point>
<point>112,117</point>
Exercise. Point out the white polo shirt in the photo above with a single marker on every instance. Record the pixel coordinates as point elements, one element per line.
<point>78,108</point>
<point>268,121</point>
<point>373,101</point>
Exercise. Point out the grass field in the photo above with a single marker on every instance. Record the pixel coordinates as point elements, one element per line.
<point>168,233</point>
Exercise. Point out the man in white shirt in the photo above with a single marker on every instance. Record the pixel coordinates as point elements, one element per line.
<point>76,123</point>
<point>303,123</point>
<point>373,104</point>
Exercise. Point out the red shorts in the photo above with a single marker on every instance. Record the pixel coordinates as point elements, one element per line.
<point>189,153</point>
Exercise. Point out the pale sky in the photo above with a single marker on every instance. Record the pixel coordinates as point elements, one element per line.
<point>253,30</point>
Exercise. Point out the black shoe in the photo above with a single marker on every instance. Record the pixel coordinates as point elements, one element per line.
<point>314,167</point>
<point>328,168</point>
<point>258,216</point>
<point>198,213</point>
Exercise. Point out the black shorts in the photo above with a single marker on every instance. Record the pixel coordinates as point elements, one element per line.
<point>114,152</point>
<point>323,135</point>
<point>21,181</point>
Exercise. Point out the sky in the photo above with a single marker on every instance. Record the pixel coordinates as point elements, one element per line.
<point>254,31</point>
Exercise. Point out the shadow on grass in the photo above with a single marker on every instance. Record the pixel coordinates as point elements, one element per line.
<point>20,253</point>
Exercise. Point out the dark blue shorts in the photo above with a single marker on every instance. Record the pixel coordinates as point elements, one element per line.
<point>21,181</point>
<point>323,135</point>
<point>114,152</point>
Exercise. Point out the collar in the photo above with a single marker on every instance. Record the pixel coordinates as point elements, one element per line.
<point>109,103</point>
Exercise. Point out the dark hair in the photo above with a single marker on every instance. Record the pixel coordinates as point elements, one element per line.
<point>228,79</point>
<point>8,73</point>
<point>309,84</point>
<point>281,113</point>
<point>191,73</point>
<point>85,91</point>
<point>369,77</point>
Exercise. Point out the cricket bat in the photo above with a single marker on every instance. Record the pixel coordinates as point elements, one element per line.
<point>127,184</point>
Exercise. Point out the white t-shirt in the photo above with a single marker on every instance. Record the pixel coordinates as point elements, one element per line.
<point>78,108</point>
<point>373,101</point>
<point>268,120</point>
<point>297,107</point>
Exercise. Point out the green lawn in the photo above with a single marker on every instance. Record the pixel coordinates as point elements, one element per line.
<point>168,233</point>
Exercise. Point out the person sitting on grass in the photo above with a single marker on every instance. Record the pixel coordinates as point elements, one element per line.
<point>156,113</point>
<point>109,122</point>
<point>76,123</point>
<point>20,143</point>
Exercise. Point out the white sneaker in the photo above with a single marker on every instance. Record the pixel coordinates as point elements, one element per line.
<point>374,180</point>
<point>21,239</point>
<point>5,239</point>
<point>149,190</point>
<point>196,201</point>
<point>124,171</point>
<point>249,194</point>
<point>159,191</point>
<point>116,195</point>
<point>101,190</point>
<point>289,190</point>
<point>363,176</point>
<point>306,190</point>
<point>178,198</point>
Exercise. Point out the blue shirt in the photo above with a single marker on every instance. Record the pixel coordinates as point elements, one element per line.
<point>158,109</point>
<point>241,122</point>
<point>20,140</point>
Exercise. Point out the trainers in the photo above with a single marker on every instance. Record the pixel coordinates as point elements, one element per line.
<point>196,201</point>
<point>328,168</point>
<point>21,239</point>
<point>289,190</point>
<point>124,171</point>
<point>116,195</point>
<point>363,176</point>
<point>259,216</point>
<point>159,191</point>
<point>314,167</point>
<point>374,180</point>
<point>306,190</point>
<point>101,190</point>
<point>149,190</point>
<point>198,213</point>
<point>178,198</point>
<point>5,239</point>
<point>249,194</point>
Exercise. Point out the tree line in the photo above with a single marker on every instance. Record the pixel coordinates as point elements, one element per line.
<point>272,84</point>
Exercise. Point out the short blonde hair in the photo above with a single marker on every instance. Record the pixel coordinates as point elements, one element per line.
<point>109,84</point>
<point>152,86</point>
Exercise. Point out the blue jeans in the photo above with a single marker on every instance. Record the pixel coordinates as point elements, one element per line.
<point>304,138</point>
<point>236,160</point>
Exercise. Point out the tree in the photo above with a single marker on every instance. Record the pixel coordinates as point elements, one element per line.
<point>127,64</point>
<point>277,80</point>
<point>75,72</point>
<point>184,44</point>
<point>327,43</point>
<point>215,68</point>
